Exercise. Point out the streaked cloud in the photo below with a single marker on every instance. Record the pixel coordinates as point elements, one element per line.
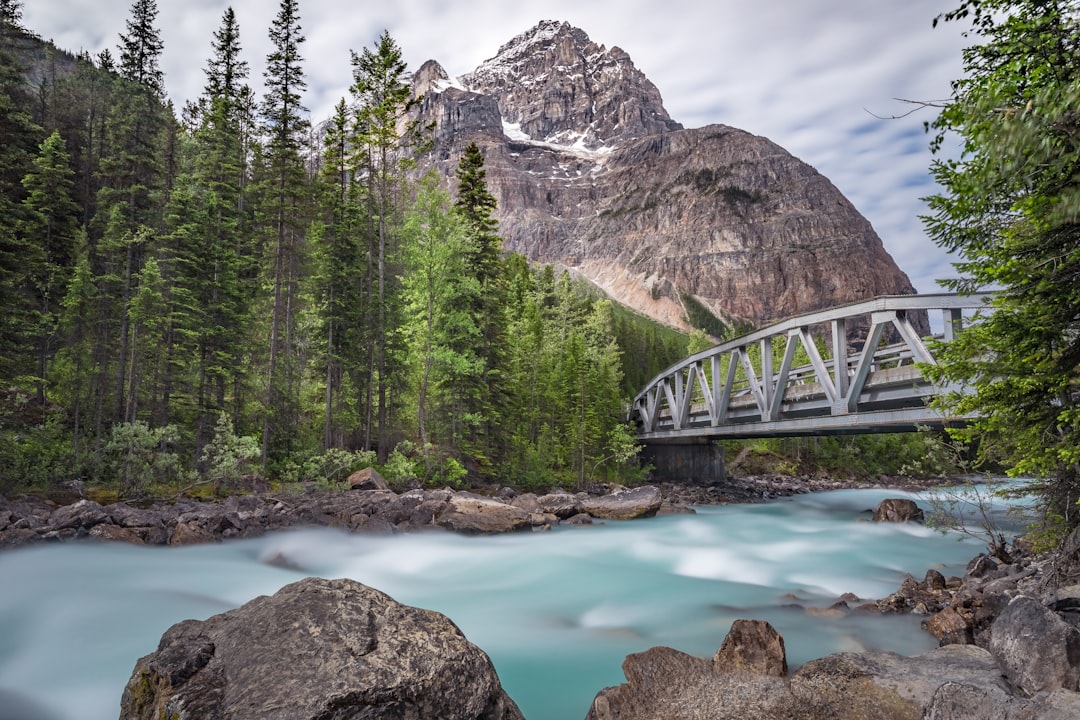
<point>817,77</point>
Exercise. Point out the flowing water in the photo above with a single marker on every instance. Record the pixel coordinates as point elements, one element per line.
<point>557,612</point>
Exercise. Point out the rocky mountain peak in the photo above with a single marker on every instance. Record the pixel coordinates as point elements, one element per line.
<point>592,174</point>
<point>553,84</point>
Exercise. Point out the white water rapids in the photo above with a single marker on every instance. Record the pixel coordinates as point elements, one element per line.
<point>557,612</point>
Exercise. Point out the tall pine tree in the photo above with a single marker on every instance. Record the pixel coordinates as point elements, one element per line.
<point>483,395</point>
<point>286,129</point>
<point>386,141</point>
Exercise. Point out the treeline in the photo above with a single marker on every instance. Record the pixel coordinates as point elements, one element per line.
<point>222,291</point>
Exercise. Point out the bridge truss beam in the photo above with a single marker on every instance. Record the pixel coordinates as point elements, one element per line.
<point>825,383</point>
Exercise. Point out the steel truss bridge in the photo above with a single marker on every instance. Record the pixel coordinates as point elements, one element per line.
<point>738,390</point>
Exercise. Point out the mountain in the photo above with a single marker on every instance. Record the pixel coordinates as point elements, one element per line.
<point>592,174</point>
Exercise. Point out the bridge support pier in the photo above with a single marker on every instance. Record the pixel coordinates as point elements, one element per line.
<point>701,463</point>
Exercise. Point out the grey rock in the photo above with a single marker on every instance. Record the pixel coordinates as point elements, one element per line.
<point>563,505</point>
<point>1036,648</point>
<point>82,514</point>
<point>956,701</point>
<point>317,649</point>
<point>626,505</point>
<point>471,514</point>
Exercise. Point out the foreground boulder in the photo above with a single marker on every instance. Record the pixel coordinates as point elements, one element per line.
<point>317,649</point>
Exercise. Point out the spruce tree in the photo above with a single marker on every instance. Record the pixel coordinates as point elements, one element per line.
<point>386,141</point>
<point>131,199</point>
<point>51,229</point>
<point>286,130</point>
<point>483,395</point>
<point>338,281</point>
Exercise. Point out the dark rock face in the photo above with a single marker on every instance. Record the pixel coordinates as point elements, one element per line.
<point>317,649</point>
<point>591,173</point>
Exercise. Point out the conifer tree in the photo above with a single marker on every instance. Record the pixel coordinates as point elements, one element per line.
<point>51,229</point>
<point>339,273</point>
<point>286,131</point>
<point>19,137</point>
<point>209,225</point>
<point>483,395</point>
<point>11,12</point>
<point>385,141</point>
<point>441,330</point>
<point>130,201</point>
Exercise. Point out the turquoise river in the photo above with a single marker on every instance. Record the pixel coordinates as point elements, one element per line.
<point>557,612</point>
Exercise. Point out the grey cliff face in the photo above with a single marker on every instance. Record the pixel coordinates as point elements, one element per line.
<point>591,173</point>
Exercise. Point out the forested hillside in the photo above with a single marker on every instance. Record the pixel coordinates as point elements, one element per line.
<point>208,294</point>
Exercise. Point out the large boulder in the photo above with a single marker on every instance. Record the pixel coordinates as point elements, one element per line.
<point>1036,648</point>
<point>475,514</point>
<point>888,685</point>
<point>624,505</point>
<point>83,514</point>
<point>326,649</point>
<point>367,479</point>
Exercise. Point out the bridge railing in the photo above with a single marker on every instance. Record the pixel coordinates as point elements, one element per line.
<point>805,375</point>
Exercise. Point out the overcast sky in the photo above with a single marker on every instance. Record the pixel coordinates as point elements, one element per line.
<point>810,75</point>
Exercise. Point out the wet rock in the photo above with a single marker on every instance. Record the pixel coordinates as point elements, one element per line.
<point>626,505</point>
<point>950,626</point>
<point>317,649</point>
<point>666,683</point>
<point>115,533</point>
<point>852,685</point>
<point>190,533</point>
<point>898,510</point>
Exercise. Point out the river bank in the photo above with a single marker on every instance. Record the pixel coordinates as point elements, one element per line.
<point>370,506</point>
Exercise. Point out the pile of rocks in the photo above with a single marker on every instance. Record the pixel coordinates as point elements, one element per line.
<point>1029,671</point>
<point>371,507</point>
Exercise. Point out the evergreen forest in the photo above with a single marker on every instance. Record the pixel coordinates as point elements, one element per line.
<point>223,295</point>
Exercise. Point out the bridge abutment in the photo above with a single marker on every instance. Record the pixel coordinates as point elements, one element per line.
<point>701,463</point>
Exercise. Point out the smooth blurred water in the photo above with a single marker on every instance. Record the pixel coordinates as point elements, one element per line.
<point>557,612</point>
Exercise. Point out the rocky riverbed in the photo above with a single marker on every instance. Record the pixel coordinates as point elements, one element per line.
<point>370,506</point>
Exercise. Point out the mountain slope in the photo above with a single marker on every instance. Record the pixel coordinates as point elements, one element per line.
<point>591,173</point>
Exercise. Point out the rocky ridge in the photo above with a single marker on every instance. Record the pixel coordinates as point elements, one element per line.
<point>592,174</point>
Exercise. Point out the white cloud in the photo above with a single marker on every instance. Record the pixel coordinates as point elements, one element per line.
<point>807,74</point>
